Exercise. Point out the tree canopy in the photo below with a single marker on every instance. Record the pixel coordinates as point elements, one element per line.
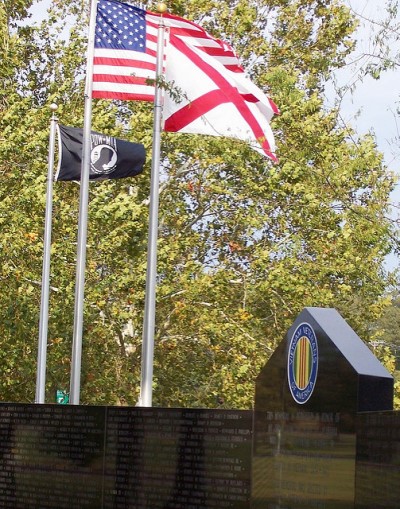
<point>244,244</point>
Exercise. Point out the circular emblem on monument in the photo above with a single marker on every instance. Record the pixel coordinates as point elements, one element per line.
<point>103,159</point>
<point>302,365</point>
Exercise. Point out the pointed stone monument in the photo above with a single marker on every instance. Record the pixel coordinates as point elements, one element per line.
<point>307,397</point>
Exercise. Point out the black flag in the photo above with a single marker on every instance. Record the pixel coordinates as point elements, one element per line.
<point>110,158</point>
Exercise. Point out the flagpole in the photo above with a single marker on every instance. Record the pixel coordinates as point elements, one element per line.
<point>83,215</point>
<point>146,384</point>
<point>44,302</point>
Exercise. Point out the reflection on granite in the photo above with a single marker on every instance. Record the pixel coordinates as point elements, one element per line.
<point>56,457</point>
<point>304,455</point>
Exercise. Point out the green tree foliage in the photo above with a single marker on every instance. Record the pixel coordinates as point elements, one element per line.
<point>243,245</point>
<point>386,341</point>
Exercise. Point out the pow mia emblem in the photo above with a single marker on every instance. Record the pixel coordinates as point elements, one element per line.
<point>103,155</point>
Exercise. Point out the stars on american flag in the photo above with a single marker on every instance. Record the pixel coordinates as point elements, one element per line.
<point>120,26</point>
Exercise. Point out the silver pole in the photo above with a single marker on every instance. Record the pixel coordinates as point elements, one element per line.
<point>83,215</point>
<point>146,384</point>
<point>44,302</point>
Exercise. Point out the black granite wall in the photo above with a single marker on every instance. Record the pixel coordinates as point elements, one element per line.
<point>56,457</point>
<point>322,436</point>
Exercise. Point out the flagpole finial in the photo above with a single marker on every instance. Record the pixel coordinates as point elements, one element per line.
<point>53,107</point>
<point>162,7</point>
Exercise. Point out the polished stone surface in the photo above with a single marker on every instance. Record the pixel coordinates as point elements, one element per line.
<point>50,456</point>
<point>63,457</point>
<point>307,398</point>
<point>178,458</point>
<point>322,436</point>
<point>378,461</point>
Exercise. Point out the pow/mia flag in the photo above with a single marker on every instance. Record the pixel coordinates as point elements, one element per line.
<point>110,158</point>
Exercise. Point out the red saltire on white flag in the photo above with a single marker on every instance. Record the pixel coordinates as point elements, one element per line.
<point>217,97</point>
<point>216,101</point>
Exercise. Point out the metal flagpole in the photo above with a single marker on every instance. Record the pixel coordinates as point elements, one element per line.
<point>83,215</point>
<point>44,302</point>
<point>146,384</point>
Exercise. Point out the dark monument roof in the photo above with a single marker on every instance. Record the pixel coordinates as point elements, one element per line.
<point>347,341</point>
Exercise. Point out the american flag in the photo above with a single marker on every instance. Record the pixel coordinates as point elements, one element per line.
<point>219,99</point>
<point>125,51</point>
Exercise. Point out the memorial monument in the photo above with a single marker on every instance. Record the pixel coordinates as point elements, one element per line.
<point>322,436</point>
<point>307,399</point>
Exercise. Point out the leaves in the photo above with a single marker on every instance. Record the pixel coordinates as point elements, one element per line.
<point>243,244</point>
